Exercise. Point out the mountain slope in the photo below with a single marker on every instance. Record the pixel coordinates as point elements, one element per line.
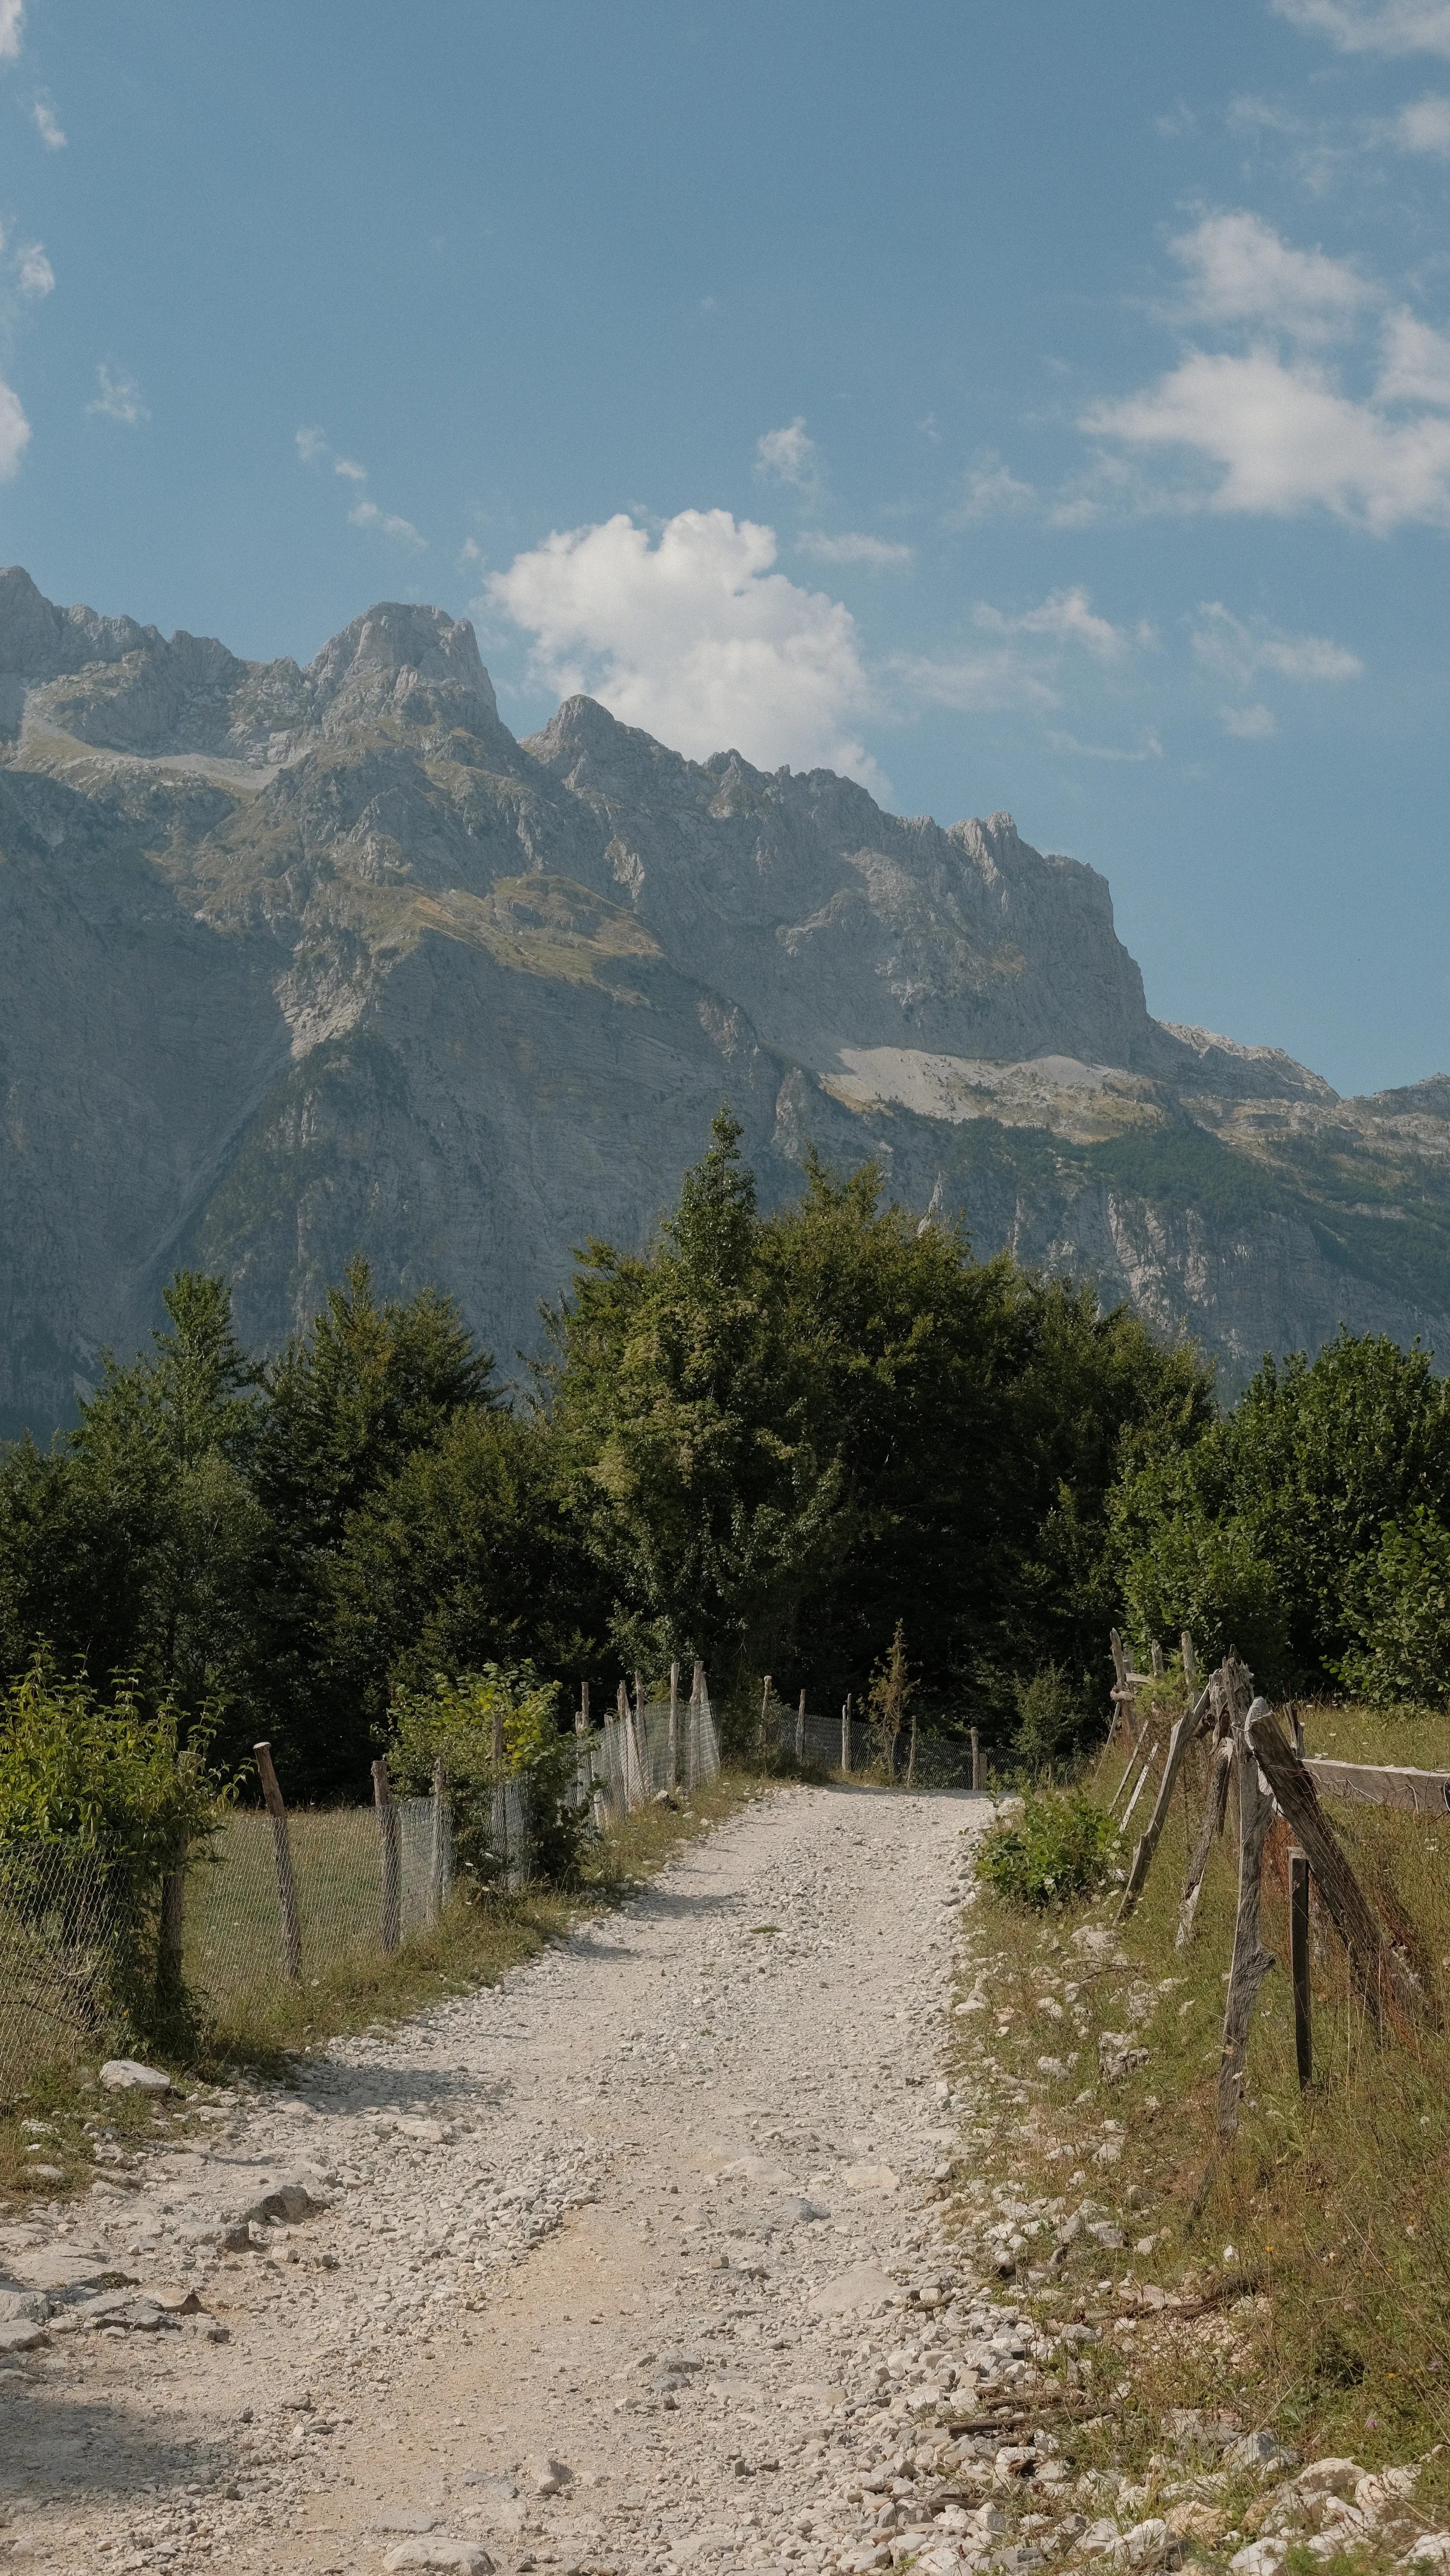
<point>298,963</point>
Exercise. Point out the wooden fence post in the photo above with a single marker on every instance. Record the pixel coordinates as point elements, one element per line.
<point>699,1701</point>
<point>173,1919</point>
<point>500,1818</point>
<point>846,1735</point>
<point>1190,1660</point>
<point>764,1712</point>
<point>438,1871</point>
<point>800,1733</point>
<point>976,1761</point>
<point>282,1854</point>
<point>1299,1967</point>
<point>581,1722</point>
<point>674,1778</point>
<point>1215,1807</point>
<point>1251,1961</point>
<point>1156,1656</point>
<point>911,1757</point>
<point>1178,1744</point>
<point>392,1857</point>
<point>1384,1980</point>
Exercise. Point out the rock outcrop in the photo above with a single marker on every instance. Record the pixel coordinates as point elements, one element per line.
<point>298,963</point>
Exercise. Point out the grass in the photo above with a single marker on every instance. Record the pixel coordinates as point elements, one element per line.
<point>1332,2210</point>
<point>265,2027</point>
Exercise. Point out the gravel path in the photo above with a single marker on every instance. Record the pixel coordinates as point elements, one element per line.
<point>649,2210</point>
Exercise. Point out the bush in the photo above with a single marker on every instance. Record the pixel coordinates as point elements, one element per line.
<point>1399,1610</point>
<point>104,1797</point>
<point>1062,1845</point>
<point>1049,1716</point>
<point>456,1719</point>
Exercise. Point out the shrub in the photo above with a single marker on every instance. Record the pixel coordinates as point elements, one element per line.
<point>1061,1846</point>
<point>456,1719</point>
<point>1399,1612</point>
<point>102,1799</point>
<point>1049,1716</point>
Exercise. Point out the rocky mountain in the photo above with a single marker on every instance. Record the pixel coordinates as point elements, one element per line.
<point>298,963</point>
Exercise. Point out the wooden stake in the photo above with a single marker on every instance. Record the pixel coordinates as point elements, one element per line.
<point>1299,1967</point>
<point>911,1757</point>
<point>1251,1961</point>
<point>438,1857</point>
<point>282,1855</point>
<point>390,1840</point>
<point>1215,1807</point>
<point>1385,1981</point>
<point>1156,1653</point>
<point>800,1733</point>
<point>977,1760</point>
<point>846,1735</point>
<point>1190,1661</point>
<point>1178,1744</point>
<point>674,1756</point>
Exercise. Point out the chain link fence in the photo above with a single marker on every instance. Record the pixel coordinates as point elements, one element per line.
<point>657,1748</point>
<point>851,1749</point>
<point>60,1935</point>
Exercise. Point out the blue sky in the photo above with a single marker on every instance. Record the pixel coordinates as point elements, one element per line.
<point>1021,405</point>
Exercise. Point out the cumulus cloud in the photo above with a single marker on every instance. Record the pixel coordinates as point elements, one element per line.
<point>14,430</point>
<point>1279,437</point>
<point>1374,26</point>
<point>1249,724</point>
<point>119,399</point>
<point>46,126</point>
<point>850,547</point>
<point>1241,270</point>
<point>696,638</point>
<point>990,492</point>
<point>37,277</point>
<point>789,456</point>
<point>985,683</point>
<point>1239,651</point>
<point>1424,126</point>
<point>366,514</point>
<point>12,26</point>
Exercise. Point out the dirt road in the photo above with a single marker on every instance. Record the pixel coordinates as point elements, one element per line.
<point>641,2211</point>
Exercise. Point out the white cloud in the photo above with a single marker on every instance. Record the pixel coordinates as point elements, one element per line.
<point>696,638</point>
<point>1415,366</point>
<point>850,547</point>
<point>1249,724</point>
<point>1374,26</point>
<point>14,427</point>
<point>354,473</point>
<point>34,270</point>
<point>986,683</point>
<point>12,22</point>
<point>1280,438</point>
<point>119,399</point>
<point>366,514</point>
<point>1241,270</point>
<point>312,446</point>
<point>1149,749</point>
<point>46,126</point>
<point>789,456</point>
<point>1424,126</point>
<point>1067,617</point>
<point>1239,652</point>
<point>990,492</point>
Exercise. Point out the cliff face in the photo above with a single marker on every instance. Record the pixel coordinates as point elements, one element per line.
<point>298,963</point>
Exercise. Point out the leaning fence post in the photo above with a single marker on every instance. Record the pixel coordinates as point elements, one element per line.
<point>390,1840</point>
<point>282,1854</point>
<point>173,1916</point>
<point>1299,1966</point>
<point>976,1761</point>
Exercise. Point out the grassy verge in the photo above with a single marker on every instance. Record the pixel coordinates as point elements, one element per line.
<point>62,2118</point>
<point>1300,2281</point>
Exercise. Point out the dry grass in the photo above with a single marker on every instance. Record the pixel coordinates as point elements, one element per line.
<point>1335,2203</point>
<point>265,2027</point>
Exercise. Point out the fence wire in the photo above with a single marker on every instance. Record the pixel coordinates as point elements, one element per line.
<point>630,1760</point>
<point>60,1933</point>
<point>859,1751</point>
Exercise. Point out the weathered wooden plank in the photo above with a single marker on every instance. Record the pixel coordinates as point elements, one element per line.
<point>1251,1961</point>
<point>1299,1967</point>
<point>1383,1978</point>
<point>1382,1784</point>
<point>1178,1743</point>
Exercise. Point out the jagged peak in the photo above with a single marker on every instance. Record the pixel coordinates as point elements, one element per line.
<point>399,640</point>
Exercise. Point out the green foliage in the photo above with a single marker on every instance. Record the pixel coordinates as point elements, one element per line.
<point>1050,1718</point>
<point>1399,1613</point>
<point>1061,1846</point>
<point>459,1719</point>
<point>102,1795</point>
<point>1255,1534</point>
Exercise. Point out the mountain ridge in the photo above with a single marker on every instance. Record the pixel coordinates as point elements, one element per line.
<point>307,961</point>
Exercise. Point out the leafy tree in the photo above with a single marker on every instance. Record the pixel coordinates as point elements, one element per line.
<point>1397,1609</point>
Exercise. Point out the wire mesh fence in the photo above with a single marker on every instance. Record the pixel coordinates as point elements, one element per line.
<point>61,1929</point>
<point>647,1753</point>
<point>849,1748</point>
<point>235,1941</point>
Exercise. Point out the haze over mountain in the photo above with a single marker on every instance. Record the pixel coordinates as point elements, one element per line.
<point>302,963</point>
